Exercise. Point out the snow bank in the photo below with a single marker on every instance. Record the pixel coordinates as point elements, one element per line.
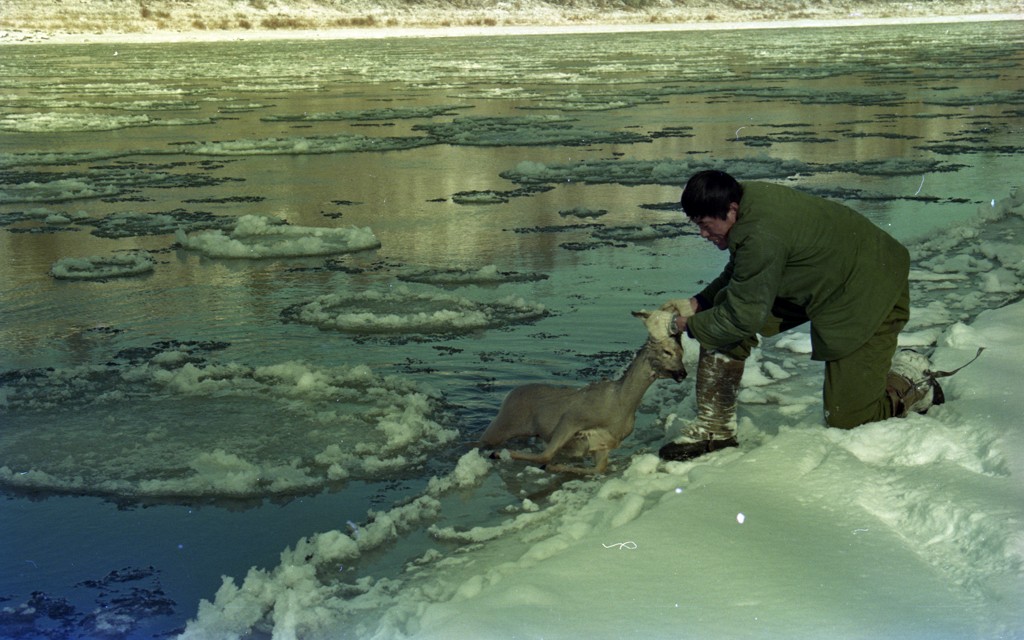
<point>264,237</point>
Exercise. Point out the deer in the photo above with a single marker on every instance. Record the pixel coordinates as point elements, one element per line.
<point>594,419</point>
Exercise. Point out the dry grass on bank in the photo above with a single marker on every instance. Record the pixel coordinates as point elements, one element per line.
<point>148,16</point>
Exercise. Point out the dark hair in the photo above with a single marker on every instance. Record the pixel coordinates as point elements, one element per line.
<point>708,194</point>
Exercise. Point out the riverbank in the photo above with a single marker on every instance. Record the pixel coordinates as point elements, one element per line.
<point>77,22</point>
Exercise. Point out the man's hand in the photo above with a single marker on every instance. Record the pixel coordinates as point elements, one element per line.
<point>681,309</point>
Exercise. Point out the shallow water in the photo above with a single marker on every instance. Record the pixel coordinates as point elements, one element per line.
<point>193,420</point>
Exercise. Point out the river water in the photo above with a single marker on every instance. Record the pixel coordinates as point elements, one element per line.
<point>252,290</point>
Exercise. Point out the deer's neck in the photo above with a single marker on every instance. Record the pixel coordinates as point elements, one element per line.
<point>634,383</point>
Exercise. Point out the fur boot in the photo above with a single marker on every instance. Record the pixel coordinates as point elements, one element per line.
<point>718,385</point>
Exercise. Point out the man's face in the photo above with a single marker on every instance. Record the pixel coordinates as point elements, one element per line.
<point>716,230</point>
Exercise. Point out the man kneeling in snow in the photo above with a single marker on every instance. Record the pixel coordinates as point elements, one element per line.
<point>796,258</point>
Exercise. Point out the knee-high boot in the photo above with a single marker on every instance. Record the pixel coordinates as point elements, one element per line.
<point>718,385</point>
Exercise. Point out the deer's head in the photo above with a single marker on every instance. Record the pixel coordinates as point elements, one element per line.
<point>665,350</point>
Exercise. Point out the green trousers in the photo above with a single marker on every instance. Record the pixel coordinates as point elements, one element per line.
<point>854,391</point>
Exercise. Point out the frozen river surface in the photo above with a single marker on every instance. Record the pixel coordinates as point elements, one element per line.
<point>252,292</point>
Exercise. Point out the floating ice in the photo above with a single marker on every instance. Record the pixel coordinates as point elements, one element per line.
<point>102,267</point>
<point>299,145</point>
<point>101,181</point>
<point>123,600</point>
<point>457,277</point>
<point>534,130</point>
<point>167,421</point>
<point>131,223</point>
<point>583,212</point>
<point>55,190</point>
<point>576,101</point>
<point>643,233</point>
<point>51,121</point>
<point>264,237</point>
<point>10,160</point>
<point>974,265</point>
<point>401,311</point>
<point>666,172</point>
<point>496,197</point>
<point>480,197</point>
<point>371,114</point>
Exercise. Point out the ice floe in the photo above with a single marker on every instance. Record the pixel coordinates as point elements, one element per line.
<point>108,182</point>
<point>102,267</point>
<point>402,312</point>
<point>488,275</point>
<point>388,113</point>
<point>335,423</point>
<point>265,237</point>
<point>530,130</point>
<point>50,121</point>
<point>300,145</point>
<point>676,171</point>
<point>55,190</point>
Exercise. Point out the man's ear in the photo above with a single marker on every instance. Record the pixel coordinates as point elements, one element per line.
<point>734,211</point>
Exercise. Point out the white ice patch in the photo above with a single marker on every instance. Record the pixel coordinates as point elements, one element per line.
<point>55,121</point>
<point>174,424</point>
<point>339,143</point>
<point>102,267</point>
<point>401,311</point>
<point>55,191</point>
<point>529,130</point>
<point>668,171</point>
<point>488,275</point>
<point>796,342</point>
<point>265,237</point>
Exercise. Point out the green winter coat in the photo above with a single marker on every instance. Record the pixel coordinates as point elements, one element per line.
<point>821,256</point>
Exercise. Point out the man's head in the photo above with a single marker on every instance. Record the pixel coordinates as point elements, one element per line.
<point>712,200</point>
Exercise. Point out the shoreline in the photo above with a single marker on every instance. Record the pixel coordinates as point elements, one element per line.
<point>377,33</point>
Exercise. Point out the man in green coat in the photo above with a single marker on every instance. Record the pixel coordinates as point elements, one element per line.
<point>796,258</point>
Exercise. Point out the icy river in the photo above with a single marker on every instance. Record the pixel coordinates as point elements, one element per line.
<point>257,299</point>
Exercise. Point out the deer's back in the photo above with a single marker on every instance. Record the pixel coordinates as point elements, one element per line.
<point>537,409</point>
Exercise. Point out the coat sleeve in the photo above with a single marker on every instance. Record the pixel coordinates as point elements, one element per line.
<point>745,301</point>
<point>706,297</point>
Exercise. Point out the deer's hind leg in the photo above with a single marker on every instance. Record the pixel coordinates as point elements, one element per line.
<point>563,433</point>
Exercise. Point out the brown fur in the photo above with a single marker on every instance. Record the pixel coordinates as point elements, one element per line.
<point>593,419</point>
